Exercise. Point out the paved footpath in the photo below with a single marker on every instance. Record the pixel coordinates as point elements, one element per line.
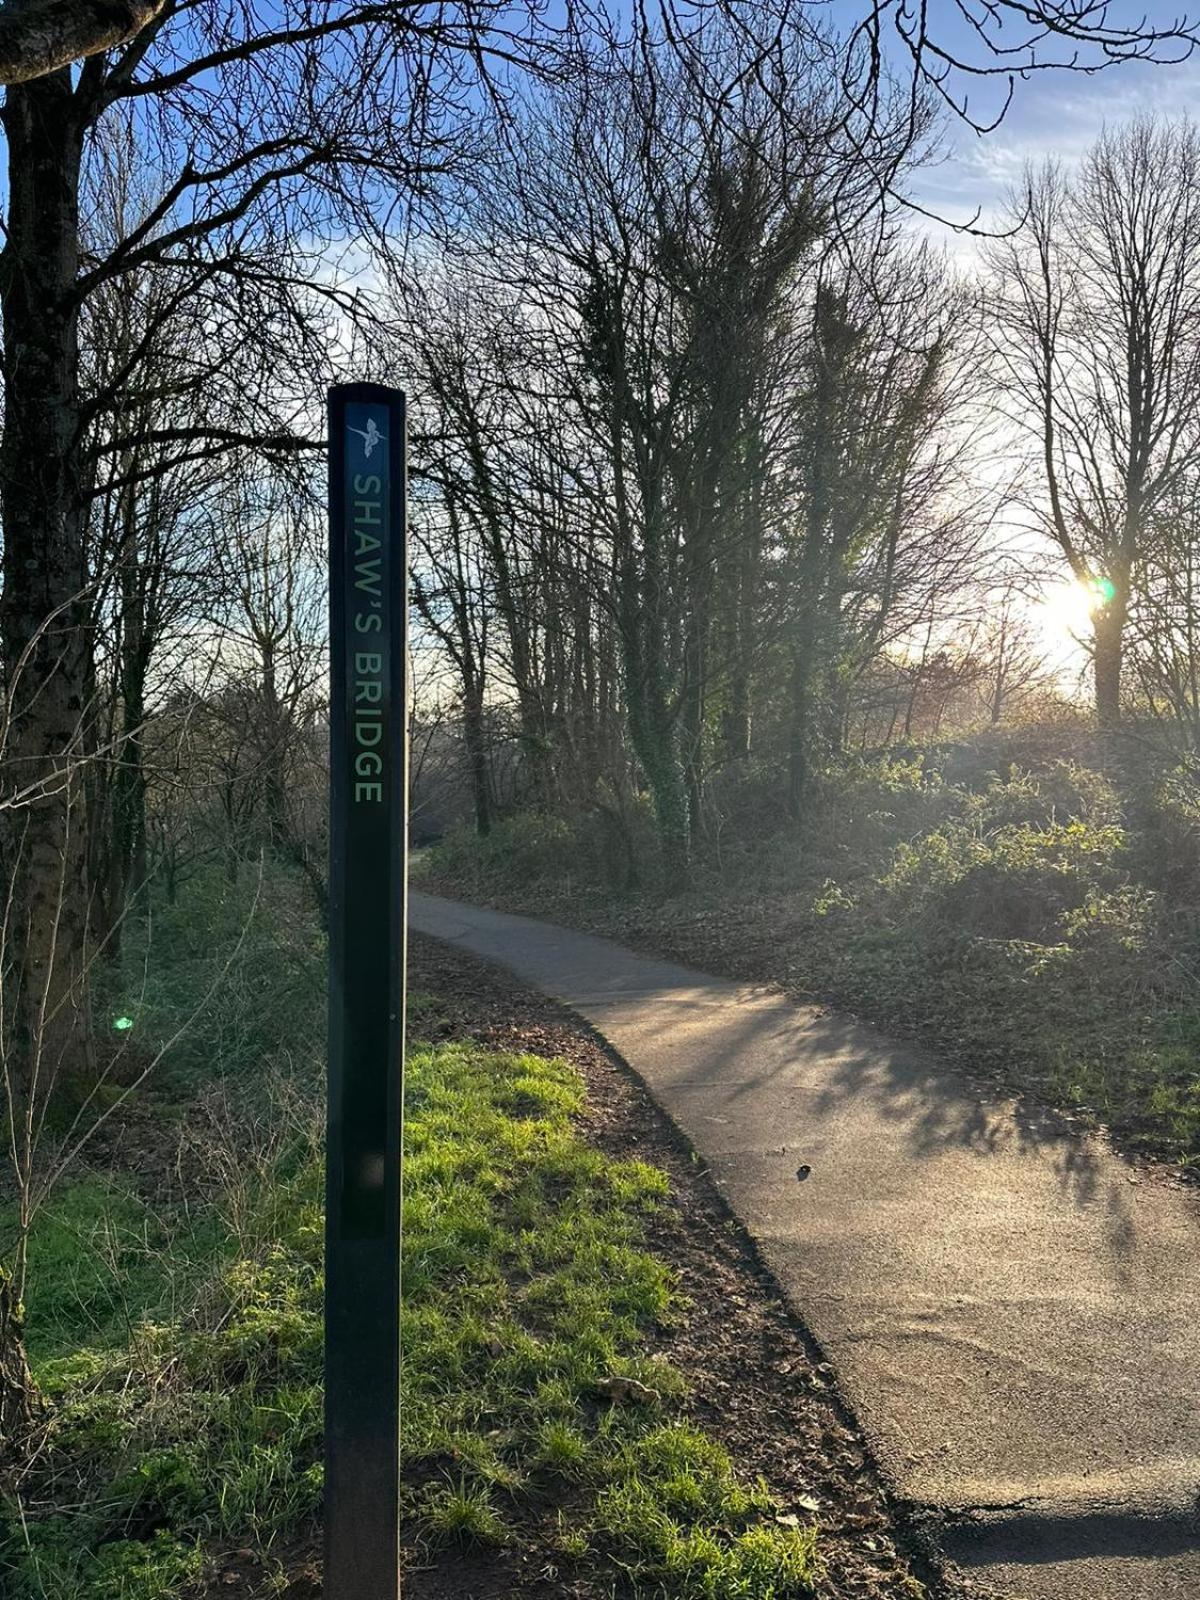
<point>1015,1315</point>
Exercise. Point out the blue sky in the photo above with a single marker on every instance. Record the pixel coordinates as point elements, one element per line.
<point>1054,113</point>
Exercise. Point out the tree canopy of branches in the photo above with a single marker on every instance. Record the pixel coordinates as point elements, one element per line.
<point>684,451</point>
<point>167,208</point>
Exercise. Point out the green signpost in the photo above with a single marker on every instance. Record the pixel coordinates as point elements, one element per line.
<point>367,877</point>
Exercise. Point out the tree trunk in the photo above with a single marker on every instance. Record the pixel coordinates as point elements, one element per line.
<point>519,625</point>
<point>800,731</point>
<point>276,738</point>
<point>653,730</point>
<point>44,636</point>
<point>127,870</point>
<point>475,739</point>
<point>741,604</point>
<point>996,704</point>
<point>18,1394</point>
<point>229,809</point>
<point>1108,639</point>
<point>735,726</point>
<point>691,723</point>
<point>653,737</point>
<point>128,801</point>
<point>664,773</point>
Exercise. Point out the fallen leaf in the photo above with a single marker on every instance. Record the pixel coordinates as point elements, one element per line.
<point>627,1391</point>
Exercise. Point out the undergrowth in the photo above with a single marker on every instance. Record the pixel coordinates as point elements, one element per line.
<point>1032,912</point>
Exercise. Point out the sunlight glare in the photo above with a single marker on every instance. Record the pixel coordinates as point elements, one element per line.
<point>1065,611</point>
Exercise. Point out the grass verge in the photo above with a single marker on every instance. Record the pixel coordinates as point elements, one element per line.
<point>177,1338</point>
<point>533,1412</point>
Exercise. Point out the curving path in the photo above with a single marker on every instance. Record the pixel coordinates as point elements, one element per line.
<point>1015,1314</point>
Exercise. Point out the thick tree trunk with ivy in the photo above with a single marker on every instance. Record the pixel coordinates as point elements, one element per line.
<point>740,601</point>
<point>652,718</point>
<point>44,633</point>
<point>655,744</point>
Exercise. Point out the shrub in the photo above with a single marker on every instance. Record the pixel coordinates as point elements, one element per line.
<point>527,847</point>
<point>608,846</point>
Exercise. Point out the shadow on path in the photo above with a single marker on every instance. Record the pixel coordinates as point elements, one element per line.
<point>938,1111</point>
<point>1029,1538</point>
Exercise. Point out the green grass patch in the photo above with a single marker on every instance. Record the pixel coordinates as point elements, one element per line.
<point>184,1421</point>
<point>231,976</point>
<point>102,1260</point>
<point>528,1286</point>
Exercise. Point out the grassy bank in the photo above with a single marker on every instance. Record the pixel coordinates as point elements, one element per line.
<point>551,1443</point>
<point>1011,900</point>
<point>173,1298</point>
<point>530,1412</point>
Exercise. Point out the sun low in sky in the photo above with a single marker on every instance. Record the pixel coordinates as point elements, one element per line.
<point>1064,614</point>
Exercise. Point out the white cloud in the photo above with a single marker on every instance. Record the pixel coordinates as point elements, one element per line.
<point>1052,114</point>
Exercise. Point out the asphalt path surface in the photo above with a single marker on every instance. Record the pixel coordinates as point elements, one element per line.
<point>1014,1312</point>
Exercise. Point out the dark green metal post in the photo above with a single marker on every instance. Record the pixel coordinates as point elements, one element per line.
<point>368,782</point>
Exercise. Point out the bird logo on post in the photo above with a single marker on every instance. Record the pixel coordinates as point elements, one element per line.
<point>370,436</point>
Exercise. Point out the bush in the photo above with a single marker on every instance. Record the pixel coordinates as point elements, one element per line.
<point>529,846</point>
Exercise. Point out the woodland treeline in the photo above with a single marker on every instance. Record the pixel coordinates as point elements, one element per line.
<point>728,470</point>
<point>710,443</point>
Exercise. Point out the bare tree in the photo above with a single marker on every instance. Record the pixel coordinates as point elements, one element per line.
<point>964,47</point>
<point>1164,620</point>
<point>878,538</point>
<point>449,593</point>
<point>268,139</point>
<point>269,622</point>
<point>464,344</point>
<point>1007,658</point>
<point>1097,339</point>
